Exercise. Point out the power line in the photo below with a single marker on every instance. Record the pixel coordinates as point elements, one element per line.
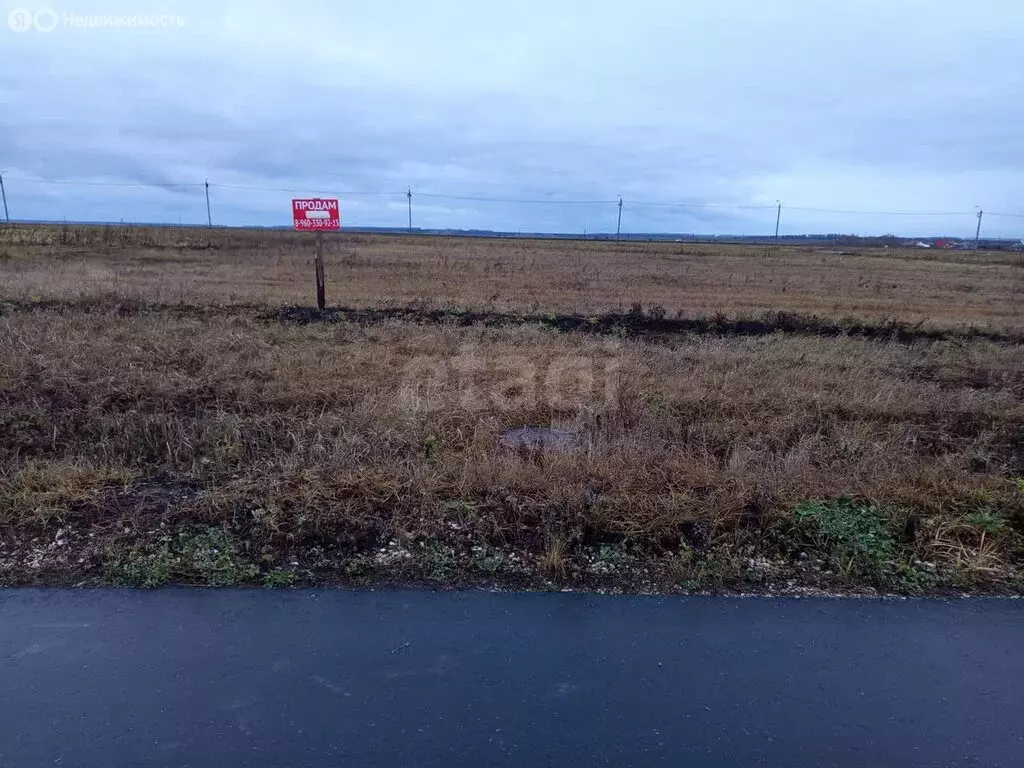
<point>486,199</point>
<point>880,213</point>
<point>509,200</point>
<point>151,185</point>
<point>174,185</point>
<point>737,207</point>
<point>303,191</point>
<point>700,205</point>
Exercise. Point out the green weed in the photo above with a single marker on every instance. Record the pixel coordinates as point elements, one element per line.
<point>281,577</point>
<point>441,563</point>
<point>987,521</point>
<point>487,559</point>
<point>853,535</point>
<point>431,448</point>
<point>203,556</point>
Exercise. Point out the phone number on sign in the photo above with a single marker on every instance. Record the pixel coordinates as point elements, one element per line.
<point>318,224</point>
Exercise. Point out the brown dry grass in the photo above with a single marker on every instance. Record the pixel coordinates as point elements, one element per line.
<point>194,266</point>
<point>346,433</point>
<point>302,440</point>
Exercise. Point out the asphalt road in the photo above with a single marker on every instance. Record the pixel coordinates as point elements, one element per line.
<point>339,678</point>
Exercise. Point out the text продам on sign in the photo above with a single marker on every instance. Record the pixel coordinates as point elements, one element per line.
<point>316,213</point>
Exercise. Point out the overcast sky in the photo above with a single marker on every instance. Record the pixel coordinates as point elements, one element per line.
<point>879,105</point>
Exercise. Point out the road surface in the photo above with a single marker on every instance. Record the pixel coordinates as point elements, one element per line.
<point>182,677</point>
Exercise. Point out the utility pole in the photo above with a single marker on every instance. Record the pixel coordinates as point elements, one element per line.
<point>977,232</point>
<point>209,219</point>
<point>3,194</point>
<point>618,227</point>
<point>778,218</point>
<point>408,194</point>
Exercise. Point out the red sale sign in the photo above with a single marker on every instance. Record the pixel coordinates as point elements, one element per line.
<point>314,213</point>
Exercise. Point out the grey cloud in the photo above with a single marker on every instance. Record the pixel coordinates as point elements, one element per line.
<point>912,107</point>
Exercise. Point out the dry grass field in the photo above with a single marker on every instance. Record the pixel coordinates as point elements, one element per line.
<point>162,419</point>
<point>203,267</point>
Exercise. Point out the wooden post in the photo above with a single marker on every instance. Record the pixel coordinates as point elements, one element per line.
<point>7,216</point>
<point>778,218</point>
<point>319,260</point>
<point>209,218</point>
